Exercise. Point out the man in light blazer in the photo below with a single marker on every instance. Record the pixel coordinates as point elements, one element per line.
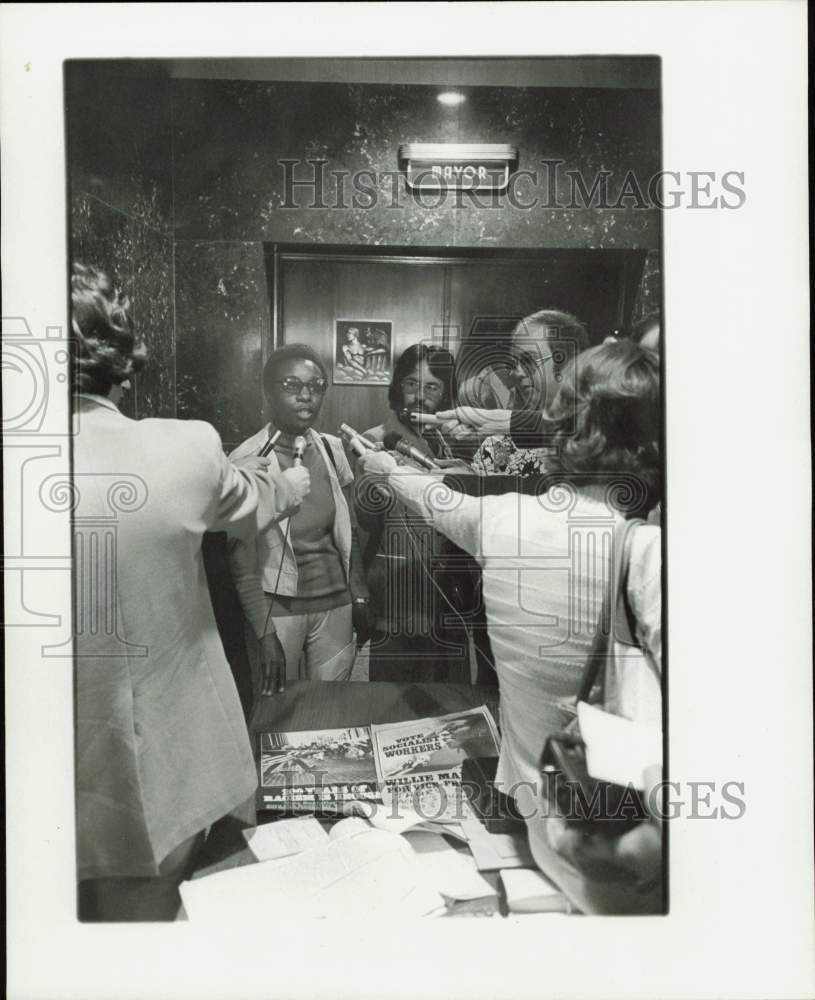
<point>162,750</point>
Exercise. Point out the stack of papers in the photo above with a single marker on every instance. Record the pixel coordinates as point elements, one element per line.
<point>493,851</point>
<point>352,874</point>
<point>382,817</point>
<point>529,891</point>
<point>284,838</point>
<point>447,871</point>
<point>361,865</point>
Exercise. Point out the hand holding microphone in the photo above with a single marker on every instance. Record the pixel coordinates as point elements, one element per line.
<point>298,450</point>
<point>394,442</point>
<point>465,422</point>
<point>356,442</point>
<point>377,463</point>
<point>297,478</point>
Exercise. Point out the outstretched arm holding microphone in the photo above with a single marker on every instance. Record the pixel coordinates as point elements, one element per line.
<point>290,486</point>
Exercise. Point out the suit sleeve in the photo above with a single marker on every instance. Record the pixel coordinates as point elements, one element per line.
<point>234,505</point>
<point>235,511</point>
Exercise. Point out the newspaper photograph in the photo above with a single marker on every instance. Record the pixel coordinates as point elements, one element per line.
<point>316,770</point>
<point>419,762</point>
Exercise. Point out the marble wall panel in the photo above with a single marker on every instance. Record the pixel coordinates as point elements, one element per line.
<point>140,263</point>
<point>119,137</point>
<point>230,138</point>
<point>222,321</point>
<point>119,145</point>
<point>153,312</point>
<point>649,295</point>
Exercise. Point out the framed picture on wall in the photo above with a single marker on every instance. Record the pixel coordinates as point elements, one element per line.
<point>363,351</point>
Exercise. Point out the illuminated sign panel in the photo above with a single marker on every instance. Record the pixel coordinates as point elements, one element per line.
<point>457,166</point>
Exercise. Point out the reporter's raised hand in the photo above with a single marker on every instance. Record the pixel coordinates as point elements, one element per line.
<point>298,479</point>
<point>377,463</point>
<point>466,422</point>
<point>272,665</point>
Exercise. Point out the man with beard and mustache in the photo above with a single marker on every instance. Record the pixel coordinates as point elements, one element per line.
<point>404,558</point>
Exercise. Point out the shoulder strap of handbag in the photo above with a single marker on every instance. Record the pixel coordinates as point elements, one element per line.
<point>616,622</point>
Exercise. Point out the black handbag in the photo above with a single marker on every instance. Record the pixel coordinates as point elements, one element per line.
<point>587,803</point>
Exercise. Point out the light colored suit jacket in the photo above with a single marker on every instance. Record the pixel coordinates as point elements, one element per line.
<point>162,748</point>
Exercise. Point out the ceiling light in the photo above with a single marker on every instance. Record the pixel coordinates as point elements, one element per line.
<point>450,98</point>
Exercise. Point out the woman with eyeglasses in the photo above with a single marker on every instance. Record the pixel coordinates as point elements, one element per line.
<point>314,588</point>
<point>411,595</point>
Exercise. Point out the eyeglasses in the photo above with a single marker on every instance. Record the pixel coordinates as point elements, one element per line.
<point>293,386</point>
<point>431,389</point>
<point>529,359</point>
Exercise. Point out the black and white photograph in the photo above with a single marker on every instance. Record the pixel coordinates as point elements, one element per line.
<point>377,419</point>
<point>337,756</point>
<point>210,253</point>
<point>363,352</point>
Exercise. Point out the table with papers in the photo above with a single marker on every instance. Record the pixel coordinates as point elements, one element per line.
<point>367,860</point>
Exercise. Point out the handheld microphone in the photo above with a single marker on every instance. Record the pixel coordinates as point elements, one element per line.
<point>422,419</point>
<point>394,442</point>
<point>298,448</point>
<point>358,444</point>
<point>271,441</point>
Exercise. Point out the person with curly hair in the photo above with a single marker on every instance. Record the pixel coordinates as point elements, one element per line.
<point>162,750</point>
<point>546,561</point>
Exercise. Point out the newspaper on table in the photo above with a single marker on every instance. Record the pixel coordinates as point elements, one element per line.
<point>315,771</point>
<point>418,763</point>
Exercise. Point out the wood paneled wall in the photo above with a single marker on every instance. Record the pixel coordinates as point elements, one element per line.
<point>436,300</point>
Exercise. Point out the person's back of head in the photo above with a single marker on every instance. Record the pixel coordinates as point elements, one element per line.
<point>606,418</point>
<point>107,351</point>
